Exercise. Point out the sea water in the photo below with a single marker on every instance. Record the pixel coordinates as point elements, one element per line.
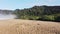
<point>7,16</point>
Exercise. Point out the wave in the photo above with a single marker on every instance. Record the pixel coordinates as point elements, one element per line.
<point>9,16</point>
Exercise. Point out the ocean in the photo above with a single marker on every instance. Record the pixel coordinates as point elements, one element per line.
<point>6,16</point>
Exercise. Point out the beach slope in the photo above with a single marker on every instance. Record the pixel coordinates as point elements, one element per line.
<point>17,26</point>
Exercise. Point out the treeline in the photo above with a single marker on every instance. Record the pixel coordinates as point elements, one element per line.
<point>46,13</point>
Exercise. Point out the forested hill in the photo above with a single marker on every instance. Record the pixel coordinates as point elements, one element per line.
<point>6,11</point>
<point>44,10</point>
<point>50,13</point>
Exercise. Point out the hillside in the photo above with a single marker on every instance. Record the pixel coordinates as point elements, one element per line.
<point>45,13</point>
<point>17,26</point>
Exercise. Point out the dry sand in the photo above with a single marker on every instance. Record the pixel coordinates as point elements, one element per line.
<point>16,26</point>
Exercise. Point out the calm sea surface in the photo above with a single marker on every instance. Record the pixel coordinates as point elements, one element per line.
<point>9,16</point>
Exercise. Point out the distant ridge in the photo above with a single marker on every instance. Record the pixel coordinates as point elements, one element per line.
<point>6,11</point>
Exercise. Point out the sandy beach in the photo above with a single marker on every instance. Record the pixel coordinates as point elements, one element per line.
<point>18,26</point>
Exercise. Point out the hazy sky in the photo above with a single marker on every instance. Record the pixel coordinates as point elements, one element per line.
<point>15,4</point>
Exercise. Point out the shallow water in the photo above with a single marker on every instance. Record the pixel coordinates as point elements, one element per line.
<point>9,16</point>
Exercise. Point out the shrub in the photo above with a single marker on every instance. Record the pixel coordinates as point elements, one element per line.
<point>48,18</point>
<point>57,18</point>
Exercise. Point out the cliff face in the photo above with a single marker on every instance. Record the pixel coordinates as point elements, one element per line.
<point>6,11</point>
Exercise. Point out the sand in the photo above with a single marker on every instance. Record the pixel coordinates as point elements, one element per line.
<point>18,26</point>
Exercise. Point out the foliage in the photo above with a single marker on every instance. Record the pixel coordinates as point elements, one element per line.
<point>57,18</point>
<point>48,13</point>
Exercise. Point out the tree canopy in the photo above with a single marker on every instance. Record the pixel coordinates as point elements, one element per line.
<point>50,13</point>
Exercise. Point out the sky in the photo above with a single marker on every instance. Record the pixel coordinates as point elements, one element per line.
<point>21,4</point>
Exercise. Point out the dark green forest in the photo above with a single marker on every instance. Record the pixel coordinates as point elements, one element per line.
<point>44,13</point>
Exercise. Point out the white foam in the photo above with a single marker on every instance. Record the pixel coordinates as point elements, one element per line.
<point>3,17</point>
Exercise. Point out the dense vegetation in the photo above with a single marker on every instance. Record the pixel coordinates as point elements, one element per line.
<point>46,13</point>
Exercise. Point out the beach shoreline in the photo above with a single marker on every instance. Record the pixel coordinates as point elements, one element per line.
<point>15,26</point>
